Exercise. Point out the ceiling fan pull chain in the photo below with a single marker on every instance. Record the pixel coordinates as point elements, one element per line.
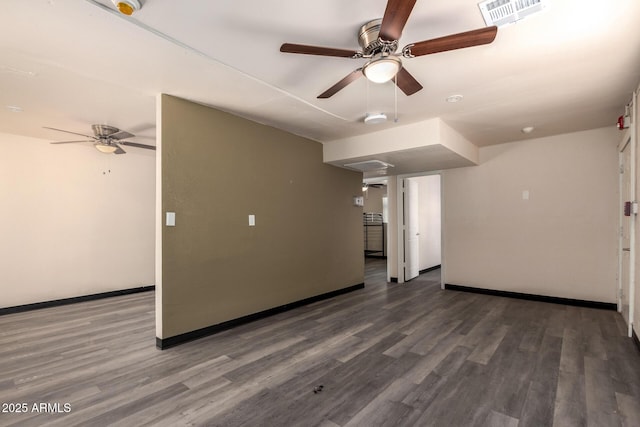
<point>395,96</point>
<point>367,106</point>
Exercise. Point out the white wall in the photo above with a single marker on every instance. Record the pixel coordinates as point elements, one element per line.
<point>414,148</point>
<point>68,227</point>
<point>561,242</point>
<point>430,221</point>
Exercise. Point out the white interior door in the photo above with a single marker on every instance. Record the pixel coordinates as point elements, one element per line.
<point>411,231</point>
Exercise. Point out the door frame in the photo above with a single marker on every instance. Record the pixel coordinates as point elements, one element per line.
<point>627,141</point>
<point>400,222</point>
<point>411,206</point>
<point>621,199</point>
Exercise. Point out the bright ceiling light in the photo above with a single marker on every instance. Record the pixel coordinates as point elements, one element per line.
<point>382,69</point>
<point>374,119</point>
<point>107,149</point>
<point>127,7</point>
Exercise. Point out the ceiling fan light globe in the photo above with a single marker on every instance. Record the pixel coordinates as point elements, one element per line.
<point>106,149</point>
<point>125,9</point>
<point>383,69</point>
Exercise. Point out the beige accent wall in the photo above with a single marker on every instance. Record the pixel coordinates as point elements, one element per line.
<point>216,170</point>
<point>73,221</point>
<point>561,242</point>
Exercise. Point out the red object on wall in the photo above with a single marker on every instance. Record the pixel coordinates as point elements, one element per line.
<point>623,122</point>
<point>627,208</point>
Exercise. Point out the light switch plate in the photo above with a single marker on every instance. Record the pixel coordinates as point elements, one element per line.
<point>171,219</point>
<point>252,220</point>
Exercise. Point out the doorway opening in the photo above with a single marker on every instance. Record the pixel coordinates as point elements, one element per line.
<point>376,224</point>
<point>418,228</point>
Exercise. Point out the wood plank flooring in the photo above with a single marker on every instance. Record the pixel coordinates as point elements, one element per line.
<point>394,355</point>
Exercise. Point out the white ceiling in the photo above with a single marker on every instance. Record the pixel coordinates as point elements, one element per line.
<point>71,63</point>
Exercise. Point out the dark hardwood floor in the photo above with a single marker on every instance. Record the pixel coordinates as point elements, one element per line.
<point>396,355</point>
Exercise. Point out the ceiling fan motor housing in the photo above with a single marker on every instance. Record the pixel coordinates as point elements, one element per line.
<point>102,131</point>
<point>368,38</point>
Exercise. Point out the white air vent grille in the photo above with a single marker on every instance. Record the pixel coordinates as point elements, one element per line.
<point>369,165</point>
<point>504,12</point>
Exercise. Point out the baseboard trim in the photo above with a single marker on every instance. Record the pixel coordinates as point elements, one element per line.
<point>164,343</point>
<point>426,270</point>
<point>533,297</point>
<point>635,339</point>
<point>73,300</point>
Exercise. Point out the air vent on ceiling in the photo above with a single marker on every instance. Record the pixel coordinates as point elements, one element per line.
<point>504,12</point>
<point>368,165</point>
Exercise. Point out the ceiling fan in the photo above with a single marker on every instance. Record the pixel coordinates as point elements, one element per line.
<point>379,42</point>
<point>107,139</point>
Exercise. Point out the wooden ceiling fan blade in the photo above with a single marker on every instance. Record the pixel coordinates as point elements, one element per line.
<point>395,18</point>
<point>119,150</point>
<point>406,82</point>
<point>317,50</point>
<point>350,78</point>
<point>454,41</point>
<point>66,131</point>
<point>71,142</point>
<point>135,144</point>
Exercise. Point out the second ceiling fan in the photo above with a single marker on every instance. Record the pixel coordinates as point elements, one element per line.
<point>379,42</point>
<point>107,139</point>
